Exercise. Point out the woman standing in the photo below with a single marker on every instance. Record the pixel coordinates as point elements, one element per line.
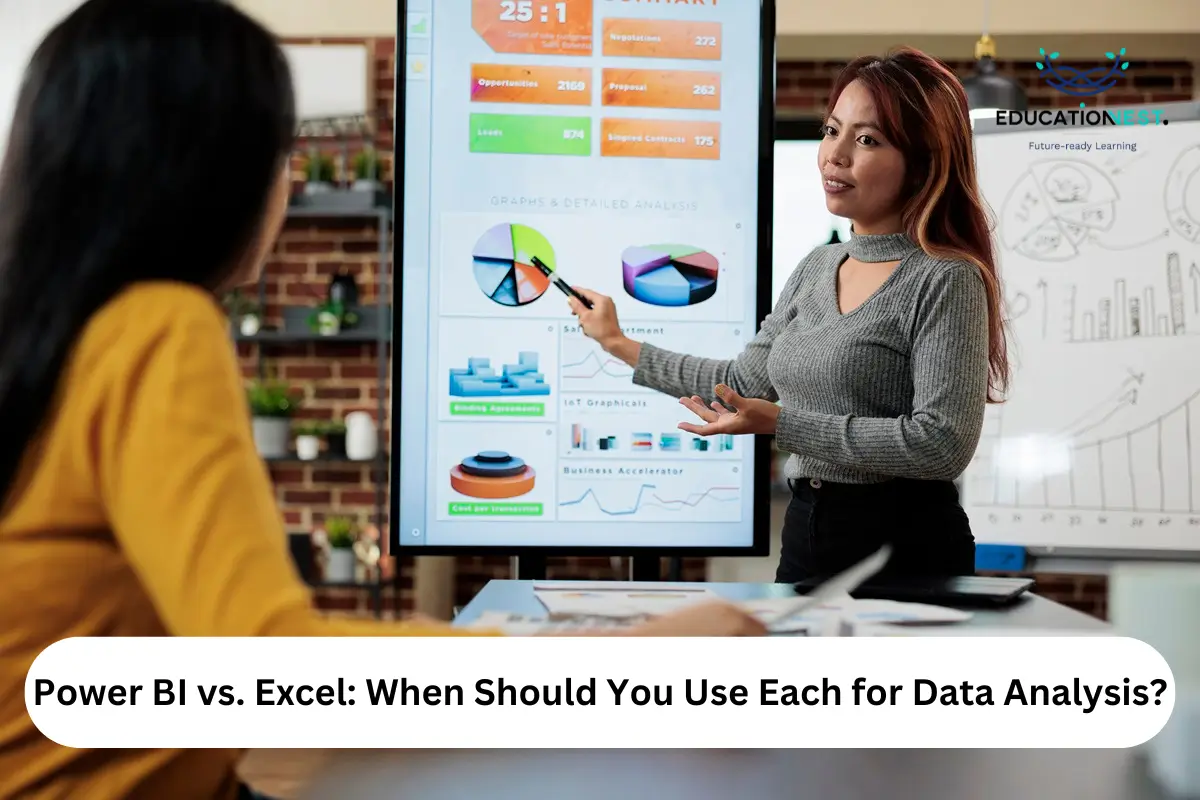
<point>874,369</point>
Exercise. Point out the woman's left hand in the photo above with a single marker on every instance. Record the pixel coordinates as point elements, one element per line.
<point>737,415</point>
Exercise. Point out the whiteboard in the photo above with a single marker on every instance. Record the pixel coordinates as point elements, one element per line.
<point>1098,240</point>
<point>801,220</point>
<point>329,80</point>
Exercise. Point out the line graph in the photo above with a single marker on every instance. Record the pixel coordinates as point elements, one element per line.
<point>699,493</point>
<point>587,368</point>
<point>1153,467</point>
<point>648,497</point>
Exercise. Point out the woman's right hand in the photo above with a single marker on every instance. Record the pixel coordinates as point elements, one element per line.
<point>600,324</point>
<point>703,619</point>
<point>600,321</point>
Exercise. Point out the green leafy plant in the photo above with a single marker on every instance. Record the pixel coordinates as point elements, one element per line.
<point>342,532</point>
<point>367,166</point>
<point>238,305</point>
<point>344,317</point>
<point>334,427</point>
<point>319,168</point>
<point>309,427</point>
<point>272,399</point>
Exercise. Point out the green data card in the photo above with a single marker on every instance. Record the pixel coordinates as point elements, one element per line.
<point>522,134</point>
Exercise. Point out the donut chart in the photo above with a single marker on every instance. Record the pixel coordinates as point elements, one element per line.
<point>1182,194</point>
<point>503,260</point>
<point>1054,206</point>
<point>492,475</point>
<point>669,274</point>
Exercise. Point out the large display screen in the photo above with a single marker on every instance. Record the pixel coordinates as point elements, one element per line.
<point>617,145</point>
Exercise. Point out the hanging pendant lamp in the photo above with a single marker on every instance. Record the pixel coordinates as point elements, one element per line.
<point>987,90</point>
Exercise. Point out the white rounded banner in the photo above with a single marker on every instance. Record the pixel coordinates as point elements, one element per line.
<point>772,692</point>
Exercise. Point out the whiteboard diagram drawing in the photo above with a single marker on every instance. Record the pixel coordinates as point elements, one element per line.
<point>1053,208</point>
<point>1181,194</point>
<point>1150,467</point>
<point>1133,310</point>
<point>1019,303</point>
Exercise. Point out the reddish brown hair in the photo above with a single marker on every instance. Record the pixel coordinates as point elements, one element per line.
<point>923,112</point>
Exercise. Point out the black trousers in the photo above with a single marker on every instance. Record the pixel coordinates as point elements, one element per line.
<point>831,526</point>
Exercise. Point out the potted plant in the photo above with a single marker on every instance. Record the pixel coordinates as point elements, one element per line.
<point>272,405</point>
<point>341,533</point>
<point>244,313</point>
<point>335,438</point>
<point>330,318</point>
<point>319,173</point>
<point>368,173</point>
<point>308,439</point>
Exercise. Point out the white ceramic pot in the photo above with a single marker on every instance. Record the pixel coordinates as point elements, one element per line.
<point>340,568</point>
<point>328,324</point>
<point>307,447</point>
<point>250,325</point>
<point>362,437</point>
<point>271,436</point>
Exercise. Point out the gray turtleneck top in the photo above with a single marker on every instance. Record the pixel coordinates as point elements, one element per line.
<point>896,388</point>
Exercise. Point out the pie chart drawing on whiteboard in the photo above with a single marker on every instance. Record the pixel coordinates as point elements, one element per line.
<point>1054,207</point>
<point>1182,194</point>
<point>669,274</point>
<point>504,269</point>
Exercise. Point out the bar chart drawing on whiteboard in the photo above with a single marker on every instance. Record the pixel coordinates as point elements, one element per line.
<point>1141,309</point>
<point>1151,467</point>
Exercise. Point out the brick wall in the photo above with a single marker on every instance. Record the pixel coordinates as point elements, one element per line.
<point>339,378</point>
<point>803,86</point>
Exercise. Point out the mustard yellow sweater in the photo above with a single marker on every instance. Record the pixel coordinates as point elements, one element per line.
<point>143,509</point>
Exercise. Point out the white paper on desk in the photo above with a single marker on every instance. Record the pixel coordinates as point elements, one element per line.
<point>520,625</point>
<point>625,601</point>
<point>973,631</point>
<point>857,612</point>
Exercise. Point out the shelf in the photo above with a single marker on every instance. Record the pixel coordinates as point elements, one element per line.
<point>373,586</point>
<point>296,330</point>
<point>356,336</point>
<point>341,203</point>
<point>292,458</point>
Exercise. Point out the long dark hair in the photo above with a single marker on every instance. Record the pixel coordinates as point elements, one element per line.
<point>147,138</point>
<point>923,110</point>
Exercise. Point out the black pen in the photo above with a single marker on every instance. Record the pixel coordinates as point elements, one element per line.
<point>560,283</point>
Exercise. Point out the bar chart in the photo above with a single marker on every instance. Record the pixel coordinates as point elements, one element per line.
<point>1138,309</point>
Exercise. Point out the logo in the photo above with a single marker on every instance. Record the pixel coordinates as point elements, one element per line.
<point>1080,83</point>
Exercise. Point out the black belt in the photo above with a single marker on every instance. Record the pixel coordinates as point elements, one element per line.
<point>811,488</point>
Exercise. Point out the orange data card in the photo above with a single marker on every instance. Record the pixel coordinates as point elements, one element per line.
<point>541,27</point>
<point>660,38</point>
<point>660,138</point>
<point>654,88</point>
<point>551,86</point>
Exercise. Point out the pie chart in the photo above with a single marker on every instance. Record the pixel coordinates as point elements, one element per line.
<point>669,274</point>
<point>504,266</point>
<point>1055,207</point>
<point>1182,194</point>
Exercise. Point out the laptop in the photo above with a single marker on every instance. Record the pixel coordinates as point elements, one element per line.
<point>966,590</point>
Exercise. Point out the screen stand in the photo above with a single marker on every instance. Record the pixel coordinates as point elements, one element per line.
<point>645,569</point>
<point>531,568</point>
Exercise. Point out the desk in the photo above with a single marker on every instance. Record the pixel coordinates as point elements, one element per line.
<point>743,774</point>
<point>517,597</point>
